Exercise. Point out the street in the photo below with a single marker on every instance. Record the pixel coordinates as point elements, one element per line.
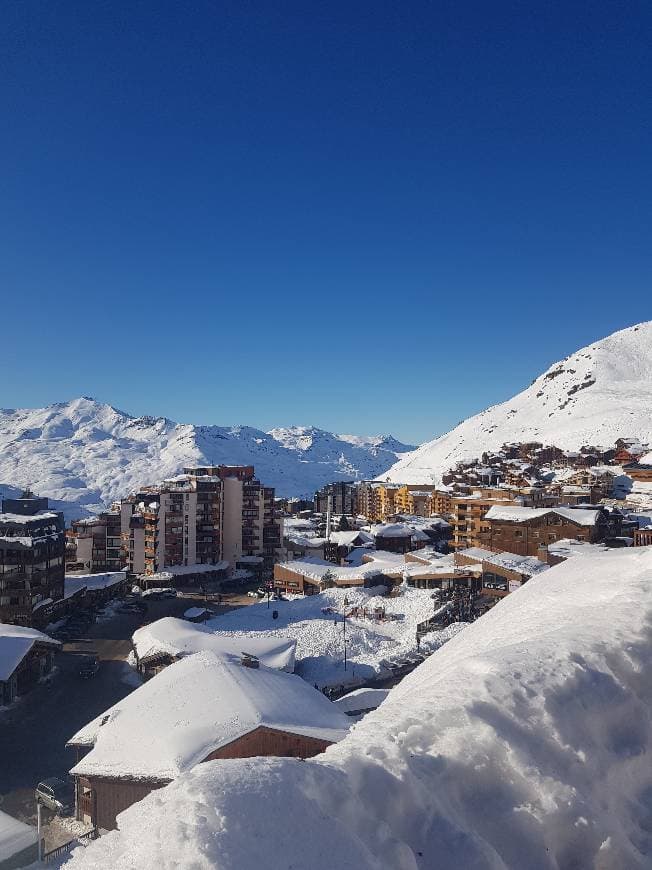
<point>34,731</point>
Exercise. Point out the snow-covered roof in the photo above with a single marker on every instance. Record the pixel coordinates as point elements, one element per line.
<point>347,539</point>
<point>361,699</point>
<point>74,582</point>
<point>15,642</point>
<point>24,519</point>
<point>518,514</point>
<point>15,836</point>
<point>178,637</point>
<point>197,705</point>
<point>398,530</point>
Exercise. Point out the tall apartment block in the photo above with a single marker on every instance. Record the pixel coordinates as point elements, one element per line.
<point>32,553</point>
<point>342,497</point>
<point>205,516</point>
<point>98,542</point>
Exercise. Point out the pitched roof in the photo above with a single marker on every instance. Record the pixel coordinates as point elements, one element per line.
<point>15,642</point>
<point>518,514</point>
<point>178,637</point>
<point>194,707</point>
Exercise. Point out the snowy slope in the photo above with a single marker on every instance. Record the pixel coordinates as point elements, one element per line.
<point>598,394</point>
<point>523,743</point>
<point>87,454</point>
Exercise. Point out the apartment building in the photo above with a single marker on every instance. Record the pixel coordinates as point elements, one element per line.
<point>32,556</point>
<point>468,513</point>
<point>339,497</point>
<point>208,515</point>
<point>98,542</point>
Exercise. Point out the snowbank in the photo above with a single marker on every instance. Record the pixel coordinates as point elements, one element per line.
<point>523,743</point>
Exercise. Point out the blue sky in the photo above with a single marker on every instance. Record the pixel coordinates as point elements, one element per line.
<point>368,217</point>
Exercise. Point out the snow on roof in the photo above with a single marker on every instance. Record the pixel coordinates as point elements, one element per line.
<point>74,582</point>
<point>346,539</point>
<point>521,743</point>
<point>23,519</point>
<point>197,705</point>
<point>177,637</point>
<point>15,836</point>
<point>397,530</point>
<point>567,547</point>
<point>361,699</point>
<point>518,514</point>
<point>15,642</point>
<point>194,612</point>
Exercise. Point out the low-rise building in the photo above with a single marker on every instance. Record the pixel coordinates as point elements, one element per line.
<point>525,531</point>
<point>26,655</point>
<point>202,708</point>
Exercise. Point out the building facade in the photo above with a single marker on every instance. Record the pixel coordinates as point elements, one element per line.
<point>32,559</point>
<point>205,516</point>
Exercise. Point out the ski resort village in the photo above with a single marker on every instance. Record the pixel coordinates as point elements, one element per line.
<point>219,643</point>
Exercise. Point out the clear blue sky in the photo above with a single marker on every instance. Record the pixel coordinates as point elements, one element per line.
<point>369,217</point>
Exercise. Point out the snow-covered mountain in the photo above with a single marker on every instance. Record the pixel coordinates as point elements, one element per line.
<point>600,393</point>
<point>84,454</point>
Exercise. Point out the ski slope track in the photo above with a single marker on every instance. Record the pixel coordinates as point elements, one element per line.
<point>600,393</point>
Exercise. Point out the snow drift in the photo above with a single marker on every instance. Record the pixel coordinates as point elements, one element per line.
<point>524,742</point>
<point>600,393</point>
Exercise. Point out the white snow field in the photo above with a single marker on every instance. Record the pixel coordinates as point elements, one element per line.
<point>600,393</point>
<point>84,454</point>
<point>320,639</point>
<point>524,743</point>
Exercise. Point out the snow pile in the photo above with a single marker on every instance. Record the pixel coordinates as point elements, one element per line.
<point>596,395</point>
<point>523,743</point>
<point>316,623</point>
<point>85,454</point>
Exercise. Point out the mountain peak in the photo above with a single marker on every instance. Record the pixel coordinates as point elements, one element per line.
<point>592,397</point>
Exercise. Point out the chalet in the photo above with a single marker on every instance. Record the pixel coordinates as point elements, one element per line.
<point>398,537</point>
<point>202,708</point>
<point>524,530</point>
<point>639,471</point>
<point>502,573</point>
<point>167,640</point>
<point>26,655</point>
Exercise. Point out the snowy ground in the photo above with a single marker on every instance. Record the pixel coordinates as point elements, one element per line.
<point>522,744</point>
<point>320,636</point>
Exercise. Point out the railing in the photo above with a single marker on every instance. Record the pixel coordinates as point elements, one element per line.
<point>66,847</point>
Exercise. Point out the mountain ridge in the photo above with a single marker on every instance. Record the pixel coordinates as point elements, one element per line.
<point>599,393</point>
<point>83,454</point>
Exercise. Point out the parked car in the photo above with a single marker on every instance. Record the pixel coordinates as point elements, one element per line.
<point>89,665</point>
<point>56,794</point>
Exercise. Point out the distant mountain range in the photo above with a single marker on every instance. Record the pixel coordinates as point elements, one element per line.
<point>600,393</point>
<point>84,454</point>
